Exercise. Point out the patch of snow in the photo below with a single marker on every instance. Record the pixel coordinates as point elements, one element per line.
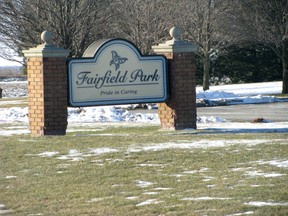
<point>261,204</point>
<point>204,169</point>
<point>151,165</point>
<point>149,202</point>
<point>208,178</point>
<point>196,144</point>
<point>248,89</point>
<point>107,114</point>
<point>261,174</point>
<point>190,172</point>
<point>13,88</point>
<point>242,213</point>
<point>114,160</point>
<point>5,211</point>
<point>73,155</point>
<point>11,177</point>
<point>177,175</point>
<point>95,199</point>
<point>102,134</point>
<point>98,199</point>
<point>12,80</point>
<point>277,163</point>
<point>99,151</point>
<point>239,169</point>
<point>36,214</point>
<point>209,119</point>
<point>70,130</point>
<point>48,154</point>
<point>150,193</point>
<point>84,115</point>
<point>132,197</point>
<point>71,158</point>
<point>204,198</point>
<point>14,114</point>
<point>26,140</point>
<point>212,94</point>
<point>13,132</point>
<point>249,93</point>
<point>76,159</point>
<point>267,185</point>
<point>162,189</point>
<point>143,184</point>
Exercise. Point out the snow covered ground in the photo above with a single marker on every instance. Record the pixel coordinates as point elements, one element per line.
<point>249,89</point>
<point>226,94</point>
<point>251,93</point>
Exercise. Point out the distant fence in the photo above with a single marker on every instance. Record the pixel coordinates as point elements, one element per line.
<point>11,70</point>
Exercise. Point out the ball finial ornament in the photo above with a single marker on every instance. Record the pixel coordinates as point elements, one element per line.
<point>175,33</point>
<point>47,37</point>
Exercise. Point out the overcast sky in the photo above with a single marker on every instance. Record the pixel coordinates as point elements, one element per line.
<point>4,62</point>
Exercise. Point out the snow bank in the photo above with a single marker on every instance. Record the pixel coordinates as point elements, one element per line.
<point>251,93</point>
<point>248,89</point>
<point>14,114</point>
<point>108,114</point>
<point>218,98</point>
<point>84,115</point>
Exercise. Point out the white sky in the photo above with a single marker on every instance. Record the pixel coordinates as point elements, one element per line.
<point>4,62</point>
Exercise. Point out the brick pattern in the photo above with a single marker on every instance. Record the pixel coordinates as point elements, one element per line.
<point>47,96</point>
<point>179,112</point>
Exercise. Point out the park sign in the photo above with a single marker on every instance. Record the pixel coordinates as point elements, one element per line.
<point>113,72</point>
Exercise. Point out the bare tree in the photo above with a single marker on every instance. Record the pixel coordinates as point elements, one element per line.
<point>144,22</point>
<point>209,24</point>
<point>76,23</point>
<point>269,19</point>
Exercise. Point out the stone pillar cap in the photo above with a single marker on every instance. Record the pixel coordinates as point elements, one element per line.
<point>176,45</point>
<point>47,49</point>
<point>47,37</point>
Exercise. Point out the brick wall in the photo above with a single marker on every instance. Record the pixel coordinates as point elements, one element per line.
<point>47,91</point>
<point>179,112</point>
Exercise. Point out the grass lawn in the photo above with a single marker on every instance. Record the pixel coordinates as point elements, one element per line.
<point>144,171</point>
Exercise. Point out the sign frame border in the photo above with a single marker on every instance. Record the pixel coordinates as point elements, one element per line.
<point>102,45</point>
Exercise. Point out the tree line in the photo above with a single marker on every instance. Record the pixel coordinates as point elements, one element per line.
<point>222,29</point>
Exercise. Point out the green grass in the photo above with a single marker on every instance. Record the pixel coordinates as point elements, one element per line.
<point>108,183</point>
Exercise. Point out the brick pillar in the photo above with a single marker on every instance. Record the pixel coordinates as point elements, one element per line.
<point>47,88</point>
<point>179,112</point>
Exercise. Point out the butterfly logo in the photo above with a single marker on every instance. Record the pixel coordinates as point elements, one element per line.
<point>117,60</point>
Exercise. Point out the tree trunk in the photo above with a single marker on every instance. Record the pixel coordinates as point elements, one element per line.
<point>206,63</point>
<point>206,72</point>
<point>285,67</point>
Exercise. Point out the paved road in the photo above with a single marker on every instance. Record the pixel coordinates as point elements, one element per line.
<point>275,112</point>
